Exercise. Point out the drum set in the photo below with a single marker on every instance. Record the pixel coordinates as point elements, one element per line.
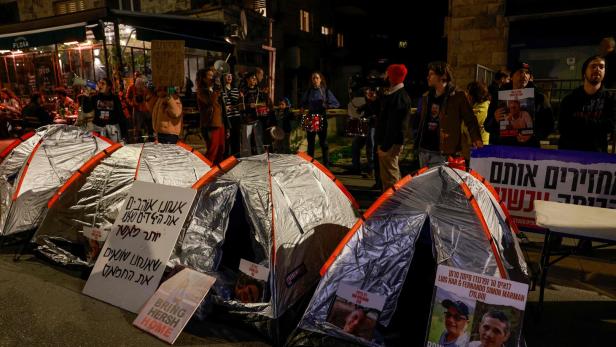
<point>313,123</point>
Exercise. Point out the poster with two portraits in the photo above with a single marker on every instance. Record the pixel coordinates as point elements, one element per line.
<point>474,310</point>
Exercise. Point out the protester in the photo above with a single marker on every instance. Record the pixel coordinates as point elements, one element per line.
<point>231,99</point>
<point>252,131</point>
<point>167,116</point>
<point>212,122</point>
<point>136,98</point>
<point>494,330</point>
<point>500,79</point>
<point>368,112</point>
<point>608,51</point>
<point>315,101</point>
<point>395,107</point>
<point>444,109</point>
<point>479,99</point>
<point>284,117</point>
<point>543,122</point>
<point>588,114</point>
<point>455,322</point>
<point>107,110</point>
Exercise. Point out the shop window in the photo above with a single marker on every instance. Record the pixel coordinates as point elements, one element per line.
<point>304,21</point>
<point>68,6</point>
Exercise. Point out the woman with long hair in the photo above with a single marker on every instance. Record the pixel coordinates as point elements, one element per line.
<point>210,109</point>
<point>314,104</point>
<point>478,96</point>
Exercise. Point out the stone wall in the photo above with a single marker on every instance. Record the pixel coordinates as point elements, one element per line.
<point>477,33</point>
<point>34,9</point>
<point>164,6</point>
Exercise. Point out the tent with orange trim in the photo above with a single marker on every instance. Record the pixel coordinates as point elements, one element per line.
<point>92,197</point>
<point>442,215</point>
<point>264,226</point>
<point>35,168</point>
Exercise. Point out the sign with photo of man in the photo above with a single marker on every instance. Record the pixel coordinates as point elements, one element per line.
<point>519,118</point>
<point>474,310</point>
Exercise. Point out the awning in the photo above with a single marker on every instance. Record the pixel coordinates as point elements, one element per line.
<point>196,32</point>
<point>44,36</point>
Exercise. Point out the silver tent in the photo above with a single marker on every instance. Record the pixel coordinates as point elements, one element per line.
<point>93,200</point>
<point>51,156</point>
<point>279,211</point>
<point>464,224</point>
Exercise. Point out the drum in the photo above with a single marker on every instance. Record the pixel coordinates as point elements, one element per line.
<point>312,122</point>
<point>358,127</point>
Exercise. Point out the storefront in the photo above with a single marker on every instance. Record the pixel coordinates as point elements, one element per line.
<point>43,54</point>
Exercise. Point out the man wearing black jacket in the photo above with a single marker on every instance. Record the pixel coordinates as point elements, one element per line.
<point>390,128</point>
<point>543,122</point>
<point>587,115</point>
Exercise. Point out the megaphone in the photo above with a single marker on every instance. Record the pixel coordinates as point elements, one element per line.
<point>78,81</point>
<point>221,66</point>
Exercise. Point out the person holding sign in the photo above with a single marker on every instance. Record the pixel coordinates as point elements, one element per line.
<point>456,319</point>
<point>167,116</point>
<point>494,330</point>
<point>499,122</point>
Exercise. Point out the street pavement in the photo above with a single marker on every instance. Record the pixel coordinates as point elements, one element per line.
<point>41,304</point>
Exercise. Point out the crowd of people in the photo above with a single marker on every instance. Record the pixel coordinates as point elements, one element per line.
<point>239,117</point>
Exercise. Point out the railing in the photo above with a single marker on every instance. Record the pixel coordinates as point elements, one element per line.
<point>484,74</point>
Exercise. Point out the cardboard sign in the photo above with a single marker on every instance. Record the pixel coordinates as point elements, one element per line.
<point>168,63</point>
<point>522,175</point>
<point>133,259</point>
<point>356,311</point>
<point>470,309</point>
<point>166,313</point>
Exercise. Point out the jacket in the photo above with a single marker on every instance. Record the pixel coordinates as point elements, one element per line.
<point>167,116</point>
<point>455,110</point>
<point>586,120</point>
<point>210,108</point>
<point>392,119</point>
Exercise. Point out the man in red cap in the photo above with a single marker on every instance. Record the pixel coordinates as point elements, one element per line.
<point>389,136</point>
<point>442,113</point>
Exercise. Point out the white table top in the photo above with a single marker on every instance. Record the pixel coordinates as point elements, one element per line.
<point>576,220</point>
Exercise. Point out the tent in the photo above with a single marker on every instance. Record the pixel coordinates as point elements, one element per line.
<point>440,216</point>
<point>36,165</point>
<point>281,215</point>
<point>93,196</point>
